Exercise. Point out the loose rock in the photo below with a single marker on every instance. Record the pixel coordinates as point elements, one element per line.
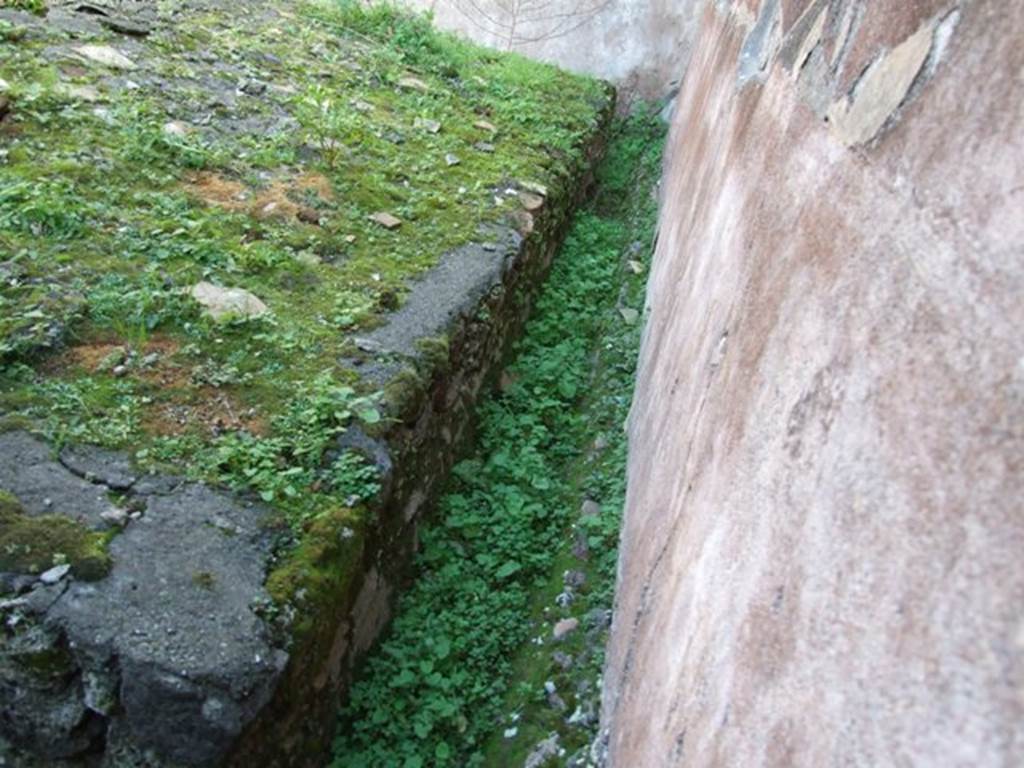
<point>55,574</point>
<point>413,83</point>
<point>544,751</point>
<point>531,202</point>
<point>425,124</point>
<point>126,26</point>
<point>177,128</point>
<point>107,56</point>
<point>386,220</point>
<point>86,93</point>
<point>564,628</point>
<point>227,302</point>
<point>535,187</point>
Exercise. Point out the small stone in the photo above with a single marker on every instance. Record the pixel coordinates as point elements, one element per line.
<point>629,315</point>
<point>451,160</point>
<point>367,345</point>
<point>361,106</point>
<point>563,660</point>
<point>549,687</point>
<point>543,752</point>
<point>557,703</point>
<point>120,370</point>
<point>177,128</point>
<point>425,124</point>
<point>531,202</point>
<point>564,628</point>
<point>599,618</point>
<point>86,93</point>
<point>115,516</point>
<point>600,443</point>
<point>635,267</point>
<point>574,579</point>
<point>227,302</point>
<point>413,83</point>
<point>590,508</point>
<point>523,222</point>
<point>510,733</point>
<point>55,574</point>
<point>581,717</point>
<point>535,187</point>
<point>483,125</point>
<point>580,546</point>
<point>386,220</point>
<point>252,87</point>
<point>4,86</point>
<point>350,239</point>
<point>484,146</point>
<point>107,56</point>
<point>125,26</point>
<point>149,360</point>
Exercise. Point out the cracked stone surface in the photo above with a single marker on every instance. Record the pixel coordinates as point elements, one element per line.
<point>168,651</point>
<point>43,486</point>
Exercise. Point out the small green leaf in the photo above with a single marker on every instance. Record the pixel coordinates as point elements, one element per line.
<point>369,415</point>
<point>442,647</point>
<point>508,569</point>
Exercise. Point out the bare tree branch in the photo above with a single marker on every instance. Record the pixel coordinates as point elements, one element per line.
<point>521,22</point>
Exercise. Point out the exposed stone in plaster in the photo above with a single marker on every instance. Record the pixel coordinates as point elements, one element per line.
<point>858,118</point>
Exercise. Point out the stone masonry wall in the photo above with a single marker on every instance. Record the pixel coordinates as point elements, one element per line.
<point>823,556</point>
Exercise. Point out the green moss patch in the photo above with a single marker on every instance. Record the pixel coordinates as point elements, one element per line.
<point>33,544</point>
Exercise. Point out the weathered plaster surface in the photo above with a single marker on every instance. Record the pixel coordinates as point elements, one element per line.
<point>641,45</point>
<point>823,556</point>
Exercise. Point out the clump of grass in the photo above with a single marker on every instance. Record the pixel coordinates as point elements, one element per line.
<point>37,7</point>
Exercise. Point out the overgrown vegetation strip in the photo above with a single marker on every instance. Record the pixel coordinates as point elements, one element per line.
<point>444,681</point>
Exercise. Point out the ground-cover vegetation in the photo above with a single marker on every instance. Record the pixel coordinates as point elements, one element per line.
<point>247,145</point>
<point>525,536</point>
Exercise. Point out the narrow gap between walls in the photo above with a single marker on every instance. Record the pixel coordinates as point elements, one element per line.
<point>495,654</point>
